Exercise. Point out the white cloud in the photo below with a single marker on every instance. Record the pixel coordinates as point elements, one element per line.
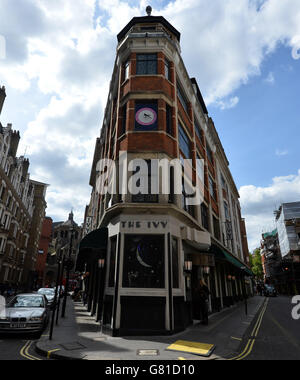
<point>259,203</point>
<point>281,153</point>
<point>67,52</point>
<point>270,79</point>
<point>228,104</point>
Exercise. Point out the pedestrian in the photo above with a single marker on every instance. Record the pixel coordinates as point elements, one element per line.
<point>203,296</point>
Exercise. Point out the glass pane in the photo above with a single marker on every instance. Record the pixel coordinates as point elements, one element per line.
<point>152,67</point>
<point>175,263</point>
<point>112,264</point>
<point>144,261</point>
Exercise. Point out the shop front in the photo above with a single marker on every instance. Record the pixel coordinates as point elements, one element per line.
<point>145,292</point>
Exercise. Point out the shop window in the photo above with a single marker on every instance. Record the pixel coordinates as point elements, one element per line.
<point>175,263</point>
<point>146,64</point>
<point>144,261</point>
<point>112,262</point>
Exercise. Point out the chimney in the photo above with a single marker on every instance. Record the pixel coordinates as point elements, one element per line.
<point>2,97</point>
<point>25,168</point>
<point>14,143</point>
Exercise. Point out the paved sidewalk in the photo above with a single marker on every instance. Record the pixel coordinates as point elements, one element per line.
<point>79,337</point>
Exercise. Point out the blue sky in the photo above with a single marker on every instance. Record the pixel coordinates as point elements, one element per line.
<point>58,66</point>
<point>261,134</point>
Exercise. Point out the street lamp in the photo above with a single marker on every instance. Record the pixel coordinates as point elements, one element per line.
<point>68,264</point>
<point>188,265</point>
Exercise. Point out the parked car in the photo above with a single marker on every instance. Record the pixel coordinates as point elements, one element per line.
<point>49,293</point>
<point>270,291</point>
<point>25,313</point>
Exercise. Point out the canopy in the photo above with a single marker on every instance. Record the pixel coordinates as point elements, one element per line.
<point>92,247</point>
<point>223,255</point>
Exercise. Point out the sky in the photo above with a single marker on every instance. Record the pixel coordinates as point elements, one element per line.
<point>58,62</point>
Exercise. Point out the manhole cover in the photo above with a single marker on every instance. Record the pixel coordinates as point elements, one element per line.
<point>148,352</point>
<point>72,346</point>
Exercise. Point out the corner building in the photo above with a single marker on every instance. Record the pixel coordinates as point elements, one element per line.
<point>158,246</point>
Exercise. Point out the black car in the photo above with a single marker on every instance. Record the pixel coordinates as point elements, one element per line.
<point>270,291</point>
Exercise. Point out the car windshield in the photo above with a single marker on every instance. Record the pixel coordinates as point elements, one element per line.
<point>48,292</point>
<point>26,301</point>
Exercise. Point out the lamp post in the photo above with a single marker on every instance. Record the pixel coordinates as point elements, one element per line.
<point>68,265</point>
<point>59,262</point>
<point>243,272</point>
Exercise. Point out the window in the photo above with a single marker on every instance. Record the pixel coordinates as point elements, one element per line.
<point>112,262</point>
<point>212,189</point>
<point>146,64</point>
<point>216,228</point>
<point>145,198</point>
<point>144,261</point>
<point>169,119</point>
<point>175,263</point>
<point>205,216</point>
<point>226,210</point>
<point>198,131</point>
<point>182,98</point>
<point>186,195</point>
<point>209,153</point>
<point>126,70</point>
<point>124,119</point>
<point>167,70</point>
<point>184,143</point>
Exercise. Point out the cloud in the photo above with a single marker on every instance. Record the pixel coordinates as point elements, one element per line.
<point>270,79</point>
<point>259,203</point>
<point>64,52</point>
<point>228,104</point>
<point>281,153</point>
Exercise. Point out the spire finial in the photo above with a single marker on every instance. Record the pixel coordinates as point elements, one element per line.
<point>149,10</point>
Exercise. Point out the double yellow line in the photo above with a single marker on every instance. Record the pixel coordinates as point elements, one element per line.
<point>25,351</point>
<point>249,347</point>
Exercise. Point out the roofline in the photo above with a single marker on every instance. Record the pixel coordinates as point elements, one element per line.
<point>148,20</point>
<point>199,95</point>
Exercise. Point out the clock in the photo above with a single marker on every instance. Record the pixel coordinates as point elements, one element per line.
<point>146,116</point>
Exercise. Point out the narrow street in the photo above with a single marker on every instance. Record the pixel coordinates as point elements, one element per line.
<point>278,335</point>
<point>18,347</point>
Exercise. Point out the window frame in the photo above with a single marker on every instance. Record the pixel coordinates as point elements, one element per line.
<point>147,71</point>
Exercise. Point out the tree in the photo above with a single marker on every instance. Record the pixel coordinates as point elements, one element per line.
<point>256,264</point>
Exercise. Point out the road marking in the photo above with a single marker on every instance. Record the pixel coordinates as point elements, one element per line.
<point>24,352</point>
<point>234,338</point>
<point>50,352</point>
<point>249,347</point>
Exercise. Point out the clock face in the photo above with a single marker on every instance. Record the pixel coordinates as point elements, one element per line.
<point>146,116</point>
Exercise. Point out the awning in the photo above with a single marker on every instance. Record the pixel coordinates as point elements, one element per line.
<point>92,247</point>
<point>223,255</point>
